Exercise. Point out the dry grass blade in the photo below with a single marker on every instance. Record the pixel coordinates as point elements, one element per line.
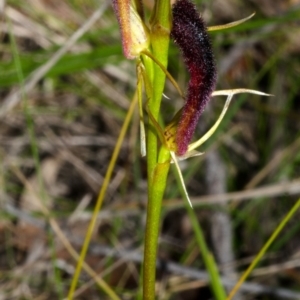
<point>273,190</point>
<point>274,163</point>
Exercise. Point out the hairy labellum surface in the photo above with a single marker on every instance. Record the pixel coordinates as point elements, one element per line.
<point>190,34</point>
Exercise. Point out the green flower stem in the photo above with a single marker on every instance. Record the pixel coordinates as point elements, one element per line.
<point>160,37</point>
<point>153,222</point>
<point>153,228</point>
<point>157,171</point>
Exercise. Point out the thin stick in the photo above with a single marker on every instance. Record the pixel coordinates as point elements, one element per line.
<point>101,195</point>
<point>181,178</point>
<point>229,25</point>
<point>264,248</point>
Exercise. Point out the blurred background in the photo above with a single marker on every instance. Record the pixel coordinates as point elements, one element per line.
<point>65,89</point>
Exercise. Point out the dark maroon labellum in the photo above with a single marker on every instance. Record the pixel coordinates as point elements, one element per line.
<point>190,34</point>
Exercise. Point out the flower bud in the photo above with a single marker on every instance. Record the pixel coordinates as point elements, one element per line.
<point>134,33</point>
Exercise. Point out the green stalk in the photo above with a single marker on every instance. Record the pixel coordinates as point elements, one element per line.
<point>160,37</point>
<point>152,229</point>
<point>210,264</point>
<point>157,170</point>
<point>209,261</point>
